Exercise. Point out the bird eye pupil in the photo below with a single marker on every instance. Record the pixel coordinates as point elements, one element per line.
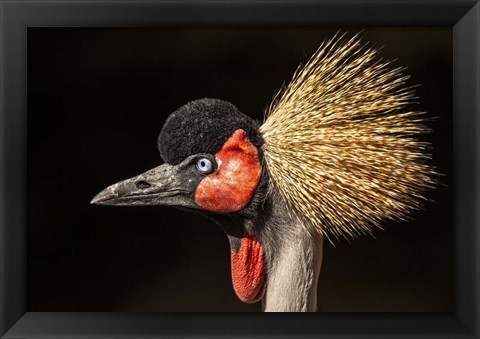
<point>204,165</point>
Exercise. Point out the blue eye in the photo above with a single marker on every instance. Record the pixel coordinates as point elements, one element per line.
<point>204,165</point>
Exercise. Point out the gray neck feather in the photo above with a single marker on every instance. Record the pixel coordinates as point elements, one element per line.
<point>293,258</point>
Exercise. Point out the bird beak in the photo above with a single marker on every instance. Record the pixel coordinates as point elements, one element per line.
<point>162,185</point>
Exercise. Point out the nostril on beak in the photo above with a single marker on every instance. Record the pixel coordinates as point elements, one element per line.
<point>142,184</point>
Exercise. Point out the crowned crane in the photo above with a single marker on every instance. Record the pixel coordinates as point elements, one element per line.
<point>336,156</point>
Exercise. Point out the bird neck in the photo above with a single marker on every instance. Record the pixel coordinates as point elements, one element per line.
<point>293,254</point>
<point>293,263</point>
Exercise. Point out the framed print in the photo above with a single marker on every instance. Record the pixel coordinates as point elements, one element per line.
<point>88,87</point>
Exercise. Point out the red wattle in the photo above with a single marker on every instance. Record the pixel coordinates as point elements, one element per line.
<point>248,271</point>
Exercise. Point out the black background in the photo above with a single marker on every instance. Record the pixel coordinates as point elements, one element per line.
<point>97,99</point>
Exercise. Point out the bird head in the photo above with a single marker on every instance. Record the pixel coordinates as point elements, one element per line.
<point>213,164</point>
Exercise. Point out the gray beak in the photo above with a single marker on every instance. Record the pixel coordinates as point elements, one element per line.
<point>162,185</point>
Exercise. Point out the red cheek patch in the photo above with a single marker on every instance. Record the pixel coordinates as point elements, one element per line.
<point>231,187</point>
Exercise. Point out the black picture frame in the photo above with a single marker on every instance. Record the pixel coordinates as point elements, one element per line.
<point>17,16</point>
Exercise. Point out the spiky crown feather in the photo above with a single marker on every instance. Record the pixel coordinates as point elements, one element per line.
<point>340,146</point>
